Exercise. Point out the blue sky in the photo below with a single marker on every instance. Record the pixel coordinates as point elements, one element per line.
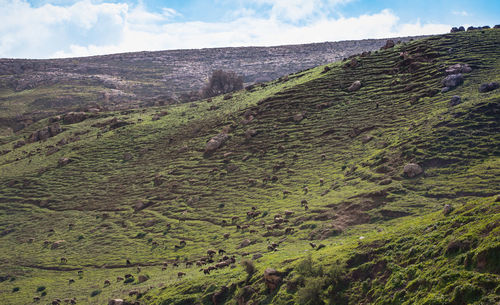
<point>63,28</point>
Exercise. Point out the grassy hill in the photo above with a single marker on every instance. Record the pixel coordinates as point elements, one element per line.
<point>310,182</point>
<point>33,89</point>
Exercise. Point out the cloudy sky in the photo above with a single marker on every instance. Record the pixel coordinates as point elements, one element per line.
<point>64,28</point>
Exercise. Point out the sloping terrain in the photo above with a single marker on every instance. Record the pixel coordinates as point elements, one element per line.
<point>31,90</point>
<point>358,182</point>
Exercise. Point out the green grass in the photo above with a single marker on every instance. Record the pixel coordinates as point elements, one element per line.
<point>385,242</point>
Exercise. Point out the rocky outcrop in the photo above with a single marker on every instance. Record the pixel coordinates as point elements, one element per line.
<point>272,278</point>
<point>74,117</point>
<point>45,133</point>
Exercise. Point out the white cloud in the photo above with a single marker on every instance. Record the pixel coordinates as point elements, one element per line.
<point>88,28</point>
<point>460,13</point>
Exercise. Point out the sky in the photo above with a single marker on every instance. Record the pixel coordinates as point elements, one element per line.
<point>64,28</point>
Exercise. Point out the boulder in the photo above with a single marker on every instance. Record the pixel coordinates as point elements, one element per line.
<point>354,86</point>
<point>142,278</point>
<point>214,143</point>
<point>388,44</point>
<point>272,278</point>
<point>245,243</point>
<point>458,68</point>
<point>453,80</point>
<point>455,100</point>
<point>250,133</point>
<point>63,161</point>
<point>412,170</point>
<point>298,117</point>
<point>487,87</point>
<point>74,117</point>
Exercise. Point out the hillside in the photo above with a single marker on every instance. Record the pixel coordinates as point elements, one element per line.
<point>358,182</point>
<point>31,90</point>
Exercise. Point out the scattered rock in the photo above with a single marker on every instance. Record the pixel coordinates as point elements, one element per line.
<point>45,133</point>
<point>272,278</point>
<point>57,244</point>
<point>142,278</point>
<point>385,181</point>
<point>245,243</point>
<point>127,156</point>
<point>412,170</point>
<point>214,143</point>
<point>455,100</point>
<point>74,117</point>
<point>453,80</point>
<point>63,161</point>
<point>298,117</point>
<point>250,133</point>
<point>487,87</point>
<point>116,302</point>
<point>458,68</point>
<point>354,86</point>
<point>256,256</point>
<point>19,144</point>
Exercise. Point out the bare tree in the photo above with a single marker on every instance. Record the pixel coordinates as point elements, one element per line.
<point>222,82</point>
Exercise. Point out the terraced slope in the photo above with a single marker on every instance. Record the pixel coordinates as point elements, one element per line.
<point>309,182</point>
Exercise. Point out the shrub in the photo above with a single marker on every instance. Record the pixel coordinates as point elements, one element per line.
<point>80,237</point>
<point>15,289</point>
<point>140,235</point>
<point>308,268</point>
<point>249,266</point>
<point>311,293</point>
<point>129,280</point>
<point>94,293</point>
<point>40,288</point>
<point>222,82</point>
<point>44,293</point>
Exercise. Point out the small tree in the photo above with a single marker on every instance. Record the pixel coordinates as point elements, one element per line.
<point>222,82</point>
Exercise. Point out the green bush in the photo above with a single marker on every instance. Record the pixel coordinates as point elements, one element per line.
<point>40,288</point>
<point>94,293</point>
<point>311,293</point>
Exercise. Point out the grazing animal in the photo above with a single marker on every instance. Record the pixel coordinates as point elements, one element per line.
<point>226,235</point>
<point>107,283</point>
<point>163,268</point>
<point>71,281</point>
<point>64,260</point>
<point>313,245</point>
<point>320,246</point>
<point>288,213</point>
<point>182,242</point>
<point>175,264</point>
<point>138,269</point>
<point>234,219</point>
<point>128,275</point>
<point>306,190</point>
<point>188,264</point>
<point>155,244</point>
<point>180,274</point>
<point>321,181</point>
<point>221,251</point>
<point>80,272</point>
<point>128,262</point>
<point>306,207</point>
<point>211,252</point>
<point>36,299</point>
<point>289,230</point>
<point>303,202</point>
<point>119,278</point>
